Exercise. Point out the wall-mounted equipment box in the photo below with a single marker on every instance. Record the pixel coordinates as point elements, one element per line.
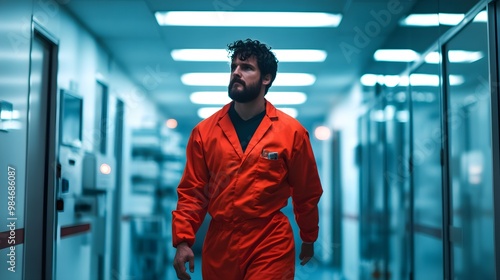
<point>98,172</point>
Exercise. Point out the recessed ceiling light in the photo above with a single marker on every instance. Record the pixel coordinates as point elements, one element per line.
<point>432,19</point>
<point>397,55</point>
<point>322,132</point>
<point>255,19</point>
<point>221,97</point>
<point>222,79</point>
<point>206,112</point>
<point>304,55</point>
<point>171,123</point>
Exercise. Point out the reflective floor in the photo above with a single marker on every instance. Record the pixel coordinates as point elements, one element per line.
<point>312,271</point>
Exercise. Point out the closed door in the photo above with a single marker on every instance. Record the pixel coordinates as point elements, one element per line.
<point>39,219</point>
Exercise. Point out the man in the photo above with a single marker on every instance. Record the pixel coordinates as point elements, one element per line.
<point>242,165</point>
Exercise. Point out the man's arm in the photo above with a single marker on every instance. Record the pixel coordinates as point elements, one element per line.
<point>306,191</point>
<point>191,205</point>
<point>192,199</point>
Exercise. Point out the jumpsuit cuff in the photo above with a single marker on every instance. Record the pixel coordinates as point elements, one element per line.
<point>190,244</point>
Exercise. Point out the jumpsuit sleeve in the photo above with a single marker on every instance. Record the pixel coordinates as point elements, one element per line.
<point>192,201</point>
<point>306,187</point>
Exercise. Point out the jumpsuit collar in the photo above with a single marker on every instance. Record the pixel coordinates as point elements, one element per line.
<point>230,133</point>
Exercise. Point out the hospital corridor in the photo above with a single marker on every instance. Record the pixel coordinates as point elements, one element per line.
<point>119,118</point>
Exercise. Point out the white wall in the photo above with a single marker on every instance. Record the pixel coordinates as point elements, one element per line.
<point>14,71</point>
<point>81,61</point>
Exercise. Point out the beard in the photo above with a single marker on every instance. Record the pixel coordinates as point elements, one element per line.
<point>245,95</point>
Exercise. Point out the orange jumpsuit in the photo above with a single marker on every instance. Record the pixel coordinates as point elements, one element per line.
<point>248,237</point>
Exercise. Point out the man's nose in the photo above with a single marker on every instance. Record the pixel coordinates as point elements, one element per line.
<point>237,71</point>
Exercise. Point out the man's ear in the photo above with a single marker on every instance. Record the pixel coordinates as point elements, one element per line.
<point>266,80</point>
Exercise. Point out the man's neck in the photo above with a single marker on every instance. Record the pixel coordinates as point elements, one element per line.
<point>250,109</point>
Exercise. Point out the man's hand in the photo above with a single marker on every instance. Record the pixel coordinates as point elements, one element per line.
<point>306,252</point>
<point>183,255</point>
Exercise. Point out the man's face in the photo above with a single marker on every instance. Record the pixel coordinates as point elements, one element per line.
<point>246,82</point>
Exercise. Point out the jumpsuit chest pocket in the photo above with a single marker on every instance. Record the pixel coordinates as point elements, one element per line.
<point>270,170</point>
<point>269,189</point>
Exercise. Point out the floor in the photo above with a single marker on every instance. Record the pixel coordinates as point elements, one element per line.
<point>311,271</point>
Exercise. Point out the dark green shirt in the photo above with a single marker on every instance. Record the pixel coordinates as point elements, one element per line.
<point>245,129</point>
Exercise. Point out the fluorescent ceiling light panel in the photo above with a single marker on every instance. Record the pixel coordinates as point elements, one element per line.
<point>206,112</point>
<point>222,55</point>
<point>300,55</point>
<point>407,55</point>
<point>254,19</point>
<point>221,97</point>
<point>450,19</point>
<point>432,19</point>
<point>200,55</point>
<point>401,55</point>
<point>414,80</point>
<point>391,80</point>
<point>433,80</point>
<point>459,56</point>
<point>433,58</point>
<point>371,79</point>
<point>455,56</point>
<point>210,97</point>
<point>424,80</point>
<point>205,79</point>
<point>368,80</point>
<point>286,97</point>
<point>222,79</point>
<point>292,112</point>
<point>481,17</point>
<point>456,80</point>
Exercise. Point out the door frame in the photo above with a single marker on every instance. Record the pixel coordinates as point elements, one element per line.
<point>494,41</point>
<point>44,208</point>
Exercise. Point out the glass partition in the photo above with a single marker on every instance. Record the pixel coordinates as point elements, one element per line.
<point>397,180</point>
<point>427,172</point>
<point>470,168</point>
<point>383,156</point>
<point>373,206</point>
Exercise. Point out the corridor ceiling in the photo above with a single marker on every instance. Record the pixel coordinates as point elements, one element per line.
<point>129,31</point>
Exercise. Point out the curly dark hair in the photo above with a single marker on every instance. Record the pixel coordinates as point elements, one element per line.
<point>266,60</point>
